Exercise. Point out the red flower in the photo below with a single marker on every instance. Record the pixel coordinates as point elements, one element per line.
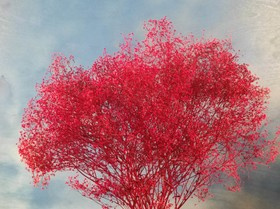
<point>160,120</point>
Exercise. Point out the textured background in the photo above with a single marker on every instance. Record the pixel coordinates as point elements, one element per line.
<point>32,30</point>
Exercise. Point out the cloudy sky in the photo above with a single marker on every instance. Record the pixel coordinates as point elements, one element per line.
<point>32,30</point>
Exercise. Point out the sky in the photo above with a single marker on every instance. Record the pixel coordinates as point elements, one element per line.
<point>31,31</point>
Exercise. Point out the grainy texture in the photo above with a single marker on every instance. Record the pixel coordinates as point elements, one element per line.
<point>30,31</point>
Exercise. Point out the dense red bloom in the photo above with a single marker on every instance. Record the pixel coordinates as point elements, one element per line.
<point>149,127</point>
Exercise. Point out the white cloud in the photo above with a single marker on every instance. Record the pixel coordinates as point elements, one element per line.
<point>263,27</point>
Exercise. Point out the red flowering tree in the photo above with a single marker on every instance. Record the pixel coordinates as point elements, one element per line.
<point>156,123</point>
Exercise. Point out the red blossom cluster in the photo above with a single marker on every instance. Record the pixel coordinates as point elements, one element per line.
<point>156,123</point>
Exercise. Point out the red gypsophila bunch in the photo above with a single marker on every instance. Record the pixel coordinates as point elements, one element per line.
<point>156,123</point>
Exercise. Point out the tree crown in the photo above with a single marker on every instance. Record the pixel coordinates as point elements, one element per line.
<point>149,127</point>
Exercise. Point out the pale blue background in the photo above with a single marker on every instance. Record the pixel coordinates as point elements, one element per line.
<point>32,30</point>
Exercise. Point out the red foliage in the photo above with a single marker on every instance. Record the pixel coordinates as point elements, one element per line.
<point>149,127</point>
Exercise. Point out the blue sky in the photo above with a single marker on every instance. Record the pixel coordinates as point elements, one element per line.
<point>32,30</point>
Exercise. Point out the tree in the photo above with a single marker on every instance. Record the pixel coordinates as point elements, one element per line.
<point>156,123</point>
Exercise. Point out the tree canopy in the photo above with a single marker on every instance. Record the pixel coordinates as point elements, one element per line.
<point>150,126</point>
